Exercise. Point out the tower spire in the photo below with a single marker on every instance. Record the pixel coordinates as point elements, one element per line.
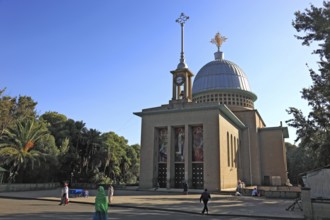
<point>182,20</point>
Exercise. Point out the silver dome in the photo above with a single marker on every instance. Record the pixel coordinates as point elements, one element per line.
<point>218,75</point>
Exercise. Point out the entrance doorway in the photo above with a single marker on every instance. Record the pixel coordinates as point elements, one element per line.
<point>179,175</point>
<point>162,173</point>
<point>197,176</point>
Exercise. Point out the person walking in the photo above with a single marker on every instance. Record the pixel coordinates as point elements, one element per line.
<point>205,196</point>
<point>101,205</point>
<point>185,188</point>
<point>110,193</point>
<point>64,195</point>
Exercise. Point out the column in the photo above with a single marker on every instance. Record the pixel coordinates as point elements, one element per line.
<point>170,158</point>
<point>187,154</point>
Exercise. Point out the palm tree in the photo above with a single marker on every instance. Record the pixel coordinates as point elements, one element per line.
<point>18,146</point>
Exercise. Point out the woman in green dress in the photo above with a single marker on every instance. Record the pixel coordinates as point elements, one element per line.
<point>101,205</point>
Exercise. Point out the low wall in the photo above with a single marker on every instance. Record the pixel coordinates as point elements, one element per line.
<point>321,209</point>
<point>27,186</point>
<point>280,194</point>
<point>314,208</point>
<point>283,192</point>
<point>88,185</point>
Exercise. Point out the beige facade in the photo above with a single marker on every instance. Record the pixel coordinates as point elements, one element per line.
<point>209,135</point>
<point>236,145</point>
<point>220,128</point>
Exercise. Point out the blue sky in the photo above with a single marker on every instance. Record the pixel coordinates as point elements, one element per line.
<point>100,61</point>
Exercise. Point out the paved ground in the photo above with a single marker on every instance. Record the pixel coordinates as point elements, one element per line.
<point>174,201</point>
<point>42,210</point>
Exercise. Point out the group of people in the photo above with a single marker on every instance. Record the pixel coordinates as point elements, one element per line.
<point>102,201</point>
<point>241,185</point>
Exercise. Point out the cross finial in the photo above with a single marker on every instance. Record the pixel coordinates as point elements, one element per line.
<point>218,40</point>
<point>182,20</point>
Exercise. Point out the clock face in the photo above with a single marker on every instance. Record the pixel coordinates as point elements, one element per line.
<point>179,80</point>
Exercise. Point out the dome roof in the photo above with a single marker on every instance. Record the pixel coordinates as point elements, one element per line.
<point>220,74</point>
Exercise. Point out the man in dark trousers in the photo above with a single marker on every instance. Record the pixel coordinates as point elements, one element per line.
<point>205,196</point>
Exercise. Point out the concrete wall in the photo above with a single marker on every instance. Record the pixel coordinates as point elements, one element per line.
<point>313,208</point>
<point>187,119</point>
<point>212,146</point>
<point>272,151</point>
<point>148,154</point>
<point>256,146</point>
<point>276,193</point>
<point>229,139</point>
<point>215,128</point>
<point>27,186</point>
<point>250,148</point>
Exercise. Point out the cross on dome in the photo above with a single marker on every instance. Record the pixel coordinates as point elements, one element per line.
<point>218,40</point>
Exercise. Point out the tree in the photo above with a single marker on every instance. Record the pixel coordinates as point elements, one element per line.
<point>73,132</point>
<point>13,109</point>
<point>133,153</point>
<point>295,155</point>
<point>314,130</point>
<point>121,161</point>
<point>56,124</point>
<point>18,146</point>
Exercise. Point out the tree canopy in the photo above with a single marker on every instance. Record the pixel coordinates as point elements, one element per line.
<point>52,147</point>
<point>313,130</point>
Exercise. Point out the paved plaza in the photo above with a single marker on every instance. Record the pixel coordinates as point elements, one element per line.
<point>227,206</point>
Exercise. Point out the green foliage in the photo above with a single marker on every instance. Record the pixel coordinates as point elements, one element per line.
<point>56,124</point>
<point>13,110</point>
<point>18,146</point>
<point>314,130</point>
<point>295,155</point>
<point>100,178</point>
<point>54,148</point>
<point>122,161</point>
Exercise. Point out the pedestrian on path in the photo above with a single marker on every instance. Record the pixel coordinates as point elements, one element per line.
<point>101,205</point>
<point>185,188</point>
<point>205,196</point>
<point>110,193</point>
<point>64,195</point>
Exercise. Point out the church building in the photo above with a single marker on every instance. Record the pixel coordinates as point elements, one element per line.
<point>209,134</point>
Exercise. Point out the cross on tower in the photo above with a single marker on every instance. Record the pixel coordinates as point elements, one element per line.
<point>182,20</point>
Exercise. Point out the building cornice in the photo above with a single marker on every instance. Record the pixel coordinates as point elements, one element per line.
<point>190,107</point>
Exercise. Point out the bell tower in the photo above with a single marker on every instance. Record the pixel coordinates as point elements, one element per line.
<point>182,76</point>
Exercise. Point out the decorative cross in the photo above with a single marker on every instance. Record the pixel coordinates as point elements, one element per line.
<point>218,40</point>
<point>182,20</point>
